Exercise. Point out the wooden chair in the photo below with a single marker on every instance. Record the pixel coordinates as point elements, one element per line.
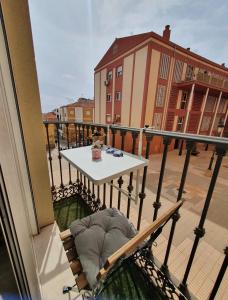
<point>128,248</point>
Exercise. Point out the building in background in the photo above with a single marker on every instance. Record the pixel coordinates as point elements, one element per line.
<point>80,111</point>
<point>50,116</point>
<point>146,79</point>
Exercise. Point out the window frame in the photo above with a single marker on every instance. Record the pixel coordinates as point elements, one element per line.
<point>108,100</point>
<point>119,73</point>
<point>184,100</point>
<point>120,96</point>
<point>109,75</point>
<point>161,94</point>
<point>164,66</point>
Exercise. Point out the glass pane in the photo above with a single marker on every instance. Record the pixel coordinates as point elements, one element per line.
<point>8,286</point>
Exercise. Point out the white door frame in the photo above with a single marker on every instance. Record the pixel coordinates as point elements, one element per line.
<point>15,171</point>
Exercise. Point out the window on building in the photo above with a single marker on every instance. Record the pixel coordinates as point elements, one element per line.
<point>157,121</point>
<point>189,72</point>
<point>88,113</point>
<point>108,118</point>
<point>119,71</point>
<point>118,96</point>
<point>108,97</point>
<point>164,66</point>
<point>109,75</point>
<point>178,70</point>
<point>116,118</point>
<point>180,122</point>
<point>205,123</point>
<point>210,104</point>
<point>184,100</point>
<point>160,99</point>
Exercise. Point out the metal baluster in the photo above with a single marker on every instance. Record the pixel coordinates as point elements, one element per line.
<point>142,194</point>
<point>157,203</point>
<point>76,135</point>
<point>130,186</point>
<point>79,135</point>
<point>83,135</point>
<point>120,180</point>
<point>92,128</point>
<point>93,196</point>
<point>84,187</point>
<point>89,191</point>
<point>181,148</point>
<point>220,275</point>
<point>50,163</point>
<point>105,132</point>
<point>87,135</point>
<point>80,183</point>
<point>76,145</point>
<point>113,130</point>
<point>59,157</point>
<point>200,231</point>
<point>68,146</point>
<point>176,216</point>
<point>98,197</point>
<point>104,196</point>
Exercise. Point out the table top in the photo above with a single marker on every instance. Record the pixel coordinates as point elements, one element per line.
<point>106,169</point>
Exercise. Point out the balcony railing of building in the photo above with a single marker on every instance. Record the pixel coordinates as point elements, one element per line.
<point>131,138</point>
<point>209,79</point>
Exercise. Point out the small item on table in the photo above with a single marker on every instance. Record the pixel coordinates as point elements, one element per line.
<point>96,153</point>
<point>118,153</point>
<point>110,150</point>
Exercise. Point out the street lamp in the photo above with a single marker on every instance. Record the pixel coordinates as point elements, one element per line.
<point>219,130</point>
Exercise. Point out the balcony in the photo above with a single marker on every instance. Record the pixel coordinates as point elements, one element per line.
<point>190,256</point>
<point>203,80</point>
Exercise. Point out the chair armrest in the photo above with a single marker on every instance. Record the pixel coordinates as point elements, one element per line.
<point>65,235</point>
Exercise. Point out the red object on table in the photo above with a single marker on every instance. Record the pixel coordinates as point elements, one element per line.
<point>96,153</point>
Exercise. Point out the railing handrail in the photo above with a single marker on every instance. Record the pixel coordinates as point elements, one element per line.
<point>197,138</point>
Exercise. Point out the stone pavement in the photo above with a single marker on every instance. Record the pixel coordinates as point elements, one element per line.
<point>209,254</point>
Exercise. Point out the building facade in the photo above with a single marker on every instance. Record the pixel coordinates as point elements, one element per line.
<point>80,111</point>
<point>146,79</point>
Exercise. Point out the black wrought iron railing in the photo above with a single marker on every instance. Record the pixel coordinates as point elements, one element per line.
<point>72,182</point>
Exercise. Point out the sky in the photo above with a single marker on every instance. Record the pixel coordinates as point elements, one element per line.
<point>71,36</point>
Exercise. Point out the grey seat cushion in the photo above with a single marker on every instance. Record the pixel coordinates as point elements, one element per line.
<point>98,236</point>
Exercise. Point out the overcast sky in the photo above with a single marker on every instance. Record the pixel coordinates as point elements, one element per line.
<point>71,36</point>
